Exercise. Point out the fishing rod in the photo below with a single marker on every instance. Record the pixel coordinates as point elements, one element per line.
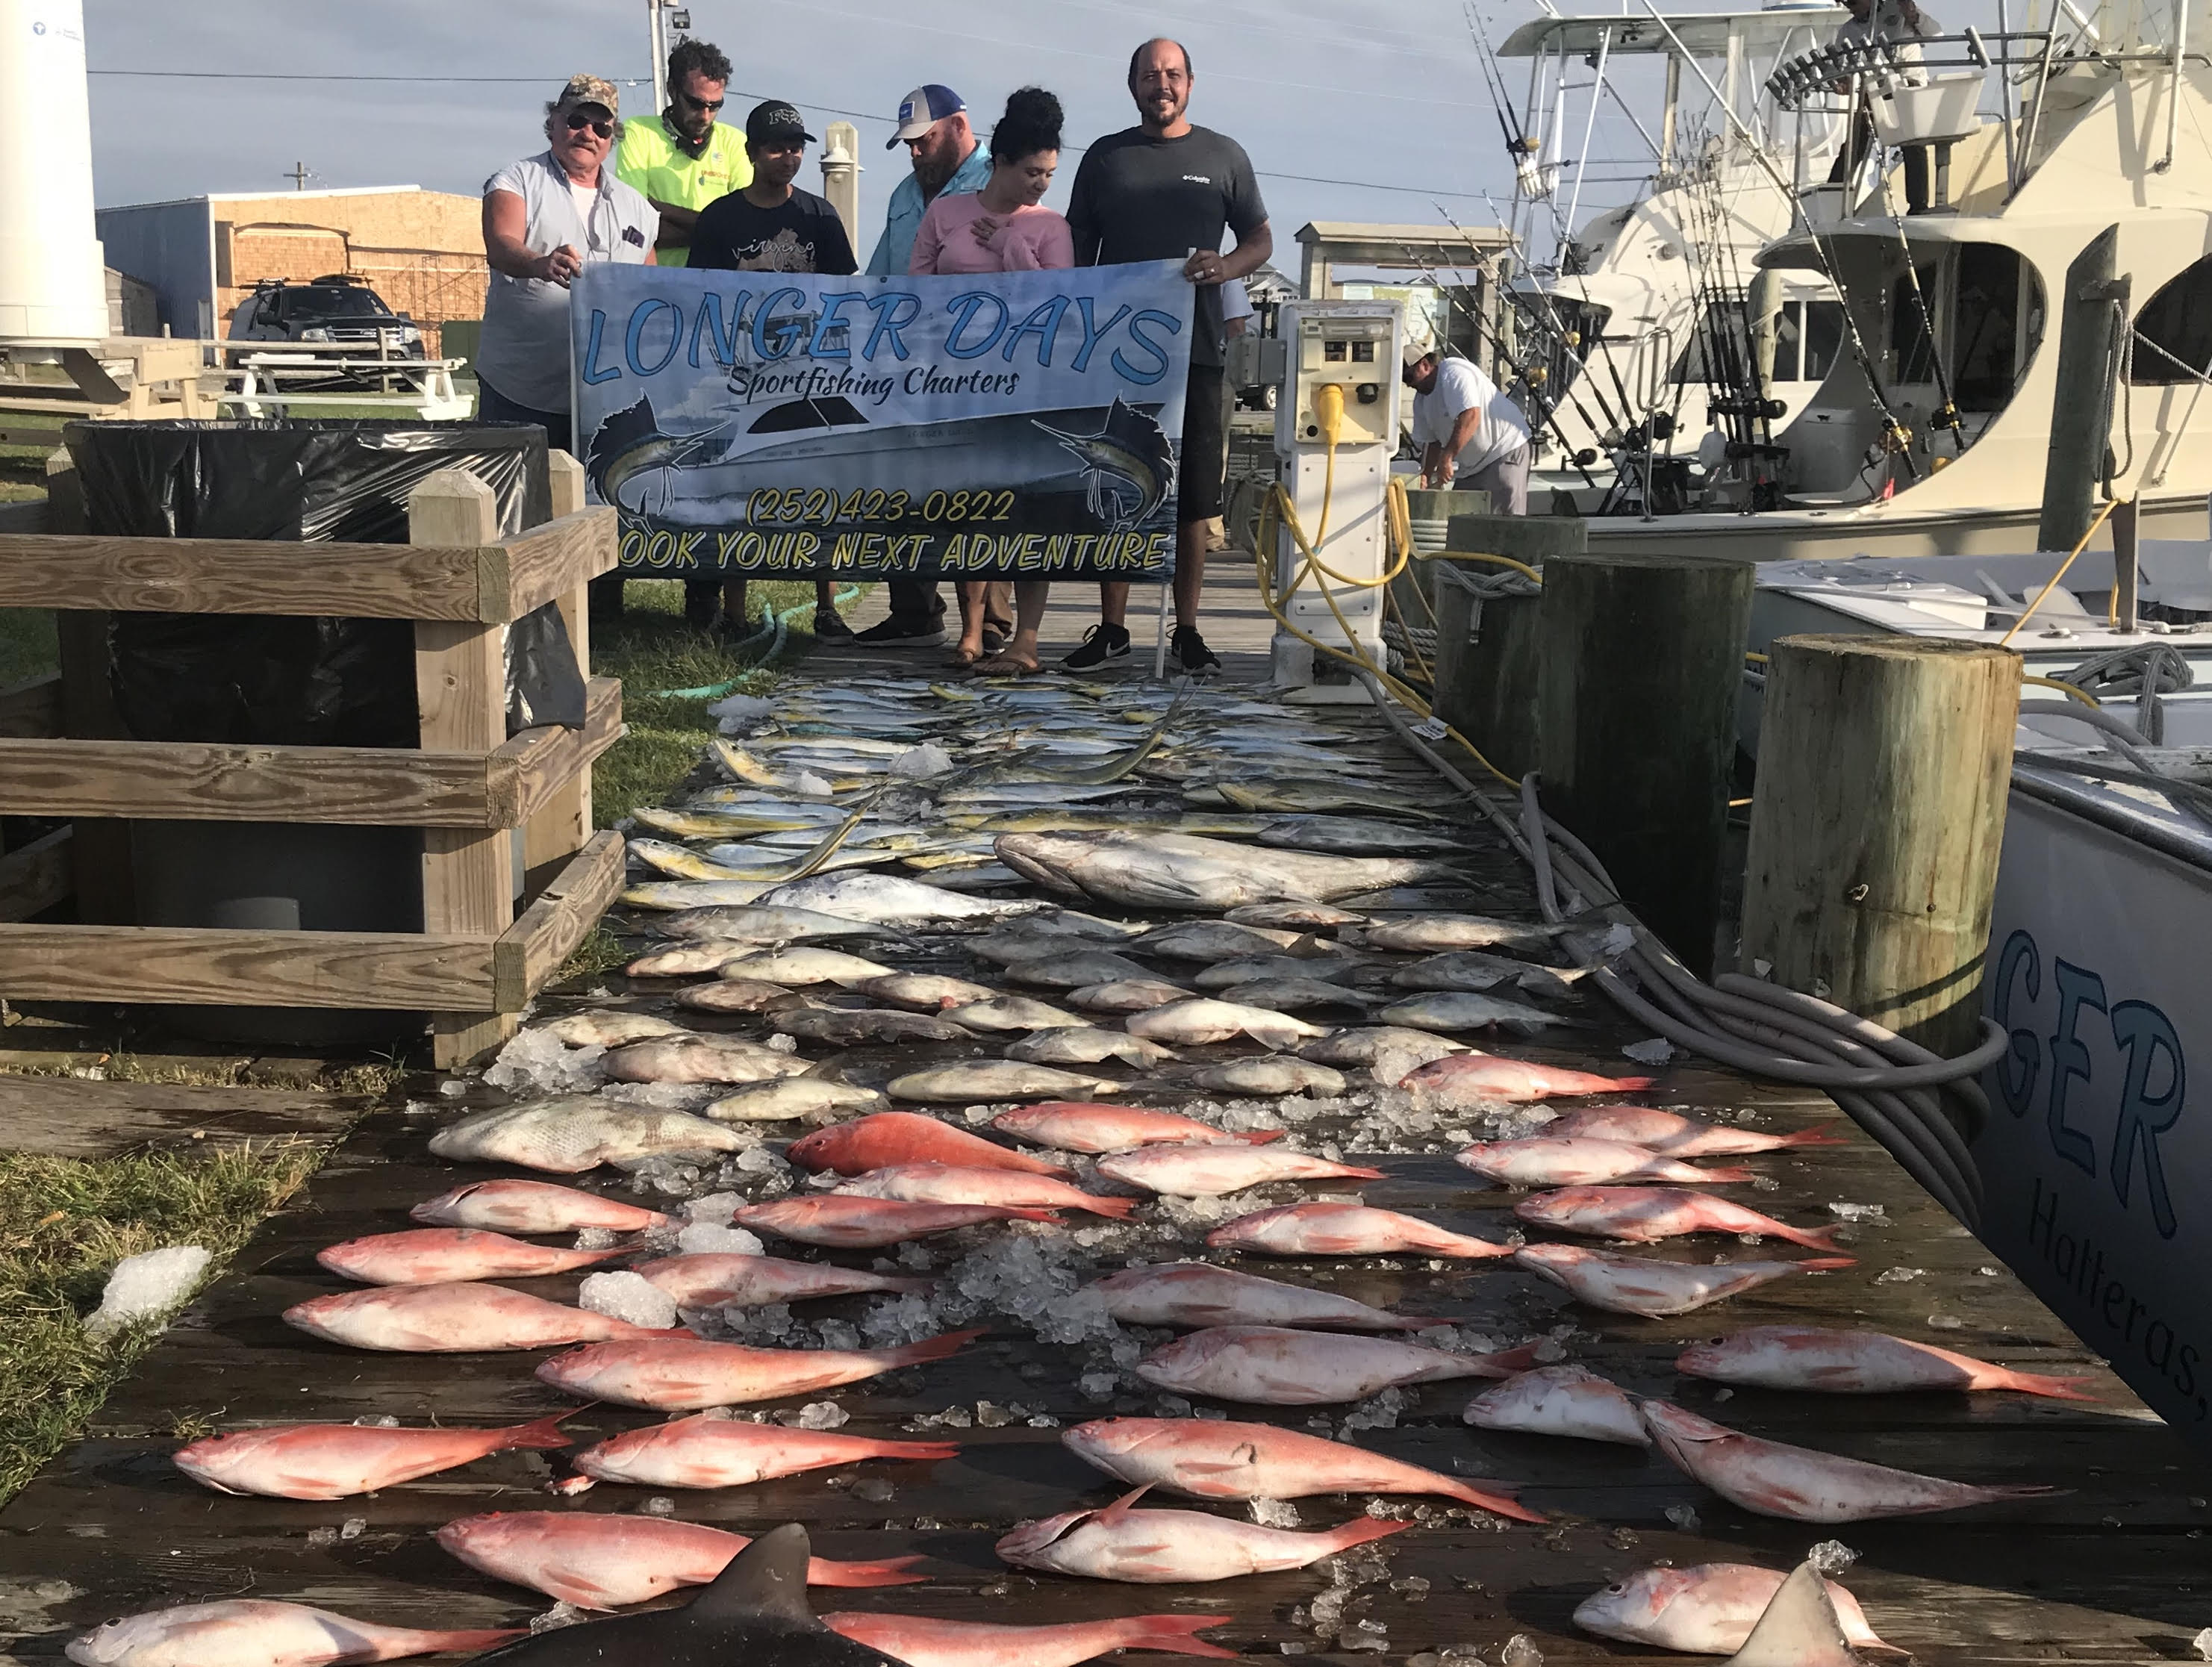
<point>1556,326</point>
<point>1568,341</point>
<point>1894,431</point>
<point>1946,414</point>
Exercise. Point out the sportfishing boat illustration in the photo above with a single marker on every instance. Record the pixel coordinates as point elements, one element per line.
<point>1128,466</point>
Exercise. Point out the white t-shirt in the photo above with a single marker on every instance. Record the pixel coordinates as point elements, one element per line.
<point>1460,386</point>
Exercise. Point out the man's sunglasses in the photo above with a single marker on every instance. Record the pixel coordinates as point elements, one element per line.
<point>578,121</point>
<point>708,104</point>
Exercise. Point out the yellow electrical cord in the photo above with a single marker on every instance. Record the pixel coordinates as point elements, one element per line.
<point>1277,513</point>
<point>2082,695</point>
<point>2005,641</point>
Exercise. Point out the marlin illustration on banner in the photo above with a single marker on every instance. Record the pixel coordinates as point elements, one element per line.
<point>629,444</point>
<point>1129,455</point>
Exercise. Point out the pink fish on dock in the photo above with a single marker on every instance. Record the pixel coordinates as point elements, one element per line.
<point>1560,1400</point>
<point>1546,1160</point>
<point>532,1206</point>
<point>1274,1366</point>
<point>1639,1285</point>
<point>1679,1136</point>
<point>1209,1171</point>
<point>672,1374</point>
<point>845,1223</point>
<point>1213,1459</point>
<point>243,1632</point>
<point>1156,1548</point>
<point>1093,1126</point>
<point>1773,1479</point>
<point>1466,1080</point>
<point>452,1318</point>
<point>921,1642</point>
<point>337,1461</point>
<point>1836,1362</point>
<point>882,1138</point>
<point>943,1183</point>
<point>599,1560</point>
<point>700,1451</point>
<point>1197,1293</point>
<point>1346,1230</point>
<point>1706,1609</point>
<point>724,1279</point>
<point>1650,1214</point>
<point>442,1255</point>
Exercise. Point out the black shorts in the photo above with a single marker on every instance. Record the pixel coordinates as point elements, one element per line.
<point>1205,460</point>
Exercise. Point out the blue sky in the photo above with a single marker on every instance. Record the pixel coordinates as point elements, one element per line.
<point>1372,93</point>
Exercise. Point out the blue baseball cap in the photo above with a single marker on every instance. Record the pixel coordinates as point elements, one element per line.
<point>921,110</point>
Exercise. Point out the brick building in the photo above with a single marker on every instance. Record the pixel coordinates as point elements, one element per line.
<point>422,251</point>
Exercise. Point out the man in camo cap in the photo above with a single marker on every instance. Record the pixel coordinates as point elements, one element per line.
<point>545,218</point>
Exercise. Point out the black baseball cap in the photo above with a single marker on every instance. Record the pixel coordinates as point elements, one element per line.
<point>775,120</point>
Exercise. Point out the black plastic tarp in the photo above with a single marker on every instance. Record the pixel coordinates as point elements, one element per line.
<point>282,680</point>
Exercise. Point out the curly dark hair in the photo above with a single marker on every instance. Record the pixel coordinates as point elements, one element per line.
<point>1031,123</point>
<point>700,56</point>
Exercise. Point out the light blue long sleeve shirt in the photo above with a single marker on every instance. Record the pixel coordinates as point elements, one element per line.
<point>904,218</point>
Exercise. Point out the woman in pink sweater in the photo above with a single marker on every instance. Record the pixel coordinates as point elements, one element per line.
<point>1003,228</point>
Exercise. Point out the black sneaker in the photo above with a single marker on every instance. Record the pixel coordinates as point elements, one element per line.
<point>1100,643</point>
<point>829,626</point>
<point>888,632</point>
<point>1187,654</point>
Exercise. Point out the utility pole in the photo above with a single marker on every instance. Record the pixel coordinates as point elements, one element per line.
<point>661,16</point>
<point>298,176</point>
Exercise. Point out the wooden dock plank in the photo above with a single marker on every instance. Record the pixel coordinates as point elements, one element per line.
<point>2099,1573</point>
<point>2114,1570</point>
<point>69,1117</point>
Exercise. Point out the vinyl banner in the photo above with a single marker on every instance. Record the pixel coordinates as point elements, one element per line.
<point>1019,424</point>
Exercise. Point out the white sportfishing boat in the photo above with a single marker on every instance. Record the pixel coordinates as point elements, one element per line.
<point>1931,432</point>
<point>2104,904</point>
<point>1633,326</point>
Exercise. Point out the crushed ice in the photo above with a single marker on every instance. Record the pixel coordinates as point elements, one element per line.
<point>538,1063</point>
<point>628,1296</point>
<point>147,1287</point>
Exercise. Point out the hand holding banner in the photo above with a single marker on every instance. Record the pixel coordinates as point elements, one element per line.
<point>1016,424</point>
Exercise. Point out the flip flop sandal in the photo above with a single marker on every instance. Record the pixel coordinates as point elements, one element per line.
<point>1006,665</point>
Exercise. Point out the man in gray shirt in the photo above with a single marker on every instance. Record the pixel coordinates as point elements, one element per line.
<point>545,218</point>
<point>1160,190</point>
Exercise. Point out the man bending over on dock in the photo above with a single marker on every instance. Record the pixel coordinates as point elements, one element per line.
<point>1160,190</point>
<point>1471,436</point>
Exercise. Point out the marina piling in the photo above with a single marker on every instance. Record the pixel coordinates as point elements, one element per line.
<point>1641,658</point>
<point>1884,768</point>
<point>1486,668</point>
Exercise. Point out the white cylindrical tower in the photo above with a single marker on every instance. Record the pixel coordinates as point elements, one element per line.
<point>53,284</point>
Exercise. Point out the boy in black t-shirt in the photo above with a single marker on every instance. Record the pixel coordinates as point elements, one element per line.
<point>1156,191</point>
<point>771,226</point>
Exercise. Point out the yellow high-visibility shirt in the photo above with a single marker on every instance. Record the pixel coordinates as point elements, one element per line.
<point>653,160</point>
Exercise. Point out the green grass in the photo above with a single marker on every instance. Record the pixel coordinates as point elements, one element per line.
<point>27,644</point>
<point>655,653</point>
<point>64,1224</point>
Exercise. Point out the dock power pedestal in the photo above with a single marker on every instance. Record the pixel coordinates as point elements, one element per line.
<point>1336,429</point>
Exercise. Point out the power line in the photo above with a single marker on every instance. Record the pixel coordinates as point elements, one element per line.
<point>827,109</point>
